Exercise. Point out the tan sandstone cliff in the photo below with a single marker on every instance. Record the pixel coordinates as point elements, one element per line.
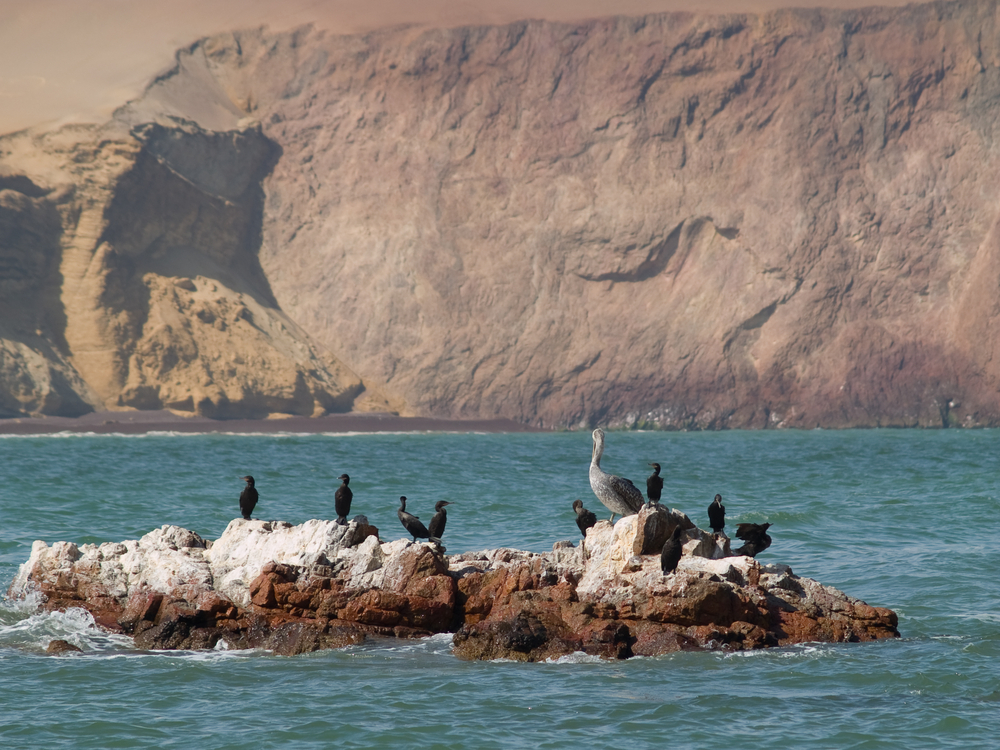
<point>784,219</point>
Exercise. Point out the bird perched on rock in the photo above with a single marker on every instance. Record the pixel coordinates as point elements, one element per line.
<point>654,485</point>
<point>672,551</point>
<point>756,538</point>
<point>248,498</point>
<point>717,514</point>
<point>438,520</point>
<point>411,522</point>
<point>342,499</point>
<point>584,518</point>
<point>617,494</point>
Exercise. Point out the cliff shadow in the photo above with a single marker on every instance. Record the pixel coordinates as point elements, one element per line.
<point>34,370</point>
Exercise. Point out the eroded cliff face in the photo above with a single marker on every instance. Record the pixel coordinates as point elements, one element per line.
<point>689,221</point>
<point>131,263</point>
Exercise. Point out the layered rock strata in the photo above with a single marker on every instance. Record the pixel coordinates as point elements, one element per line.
<point>295,589</point>
<point>131,280</point>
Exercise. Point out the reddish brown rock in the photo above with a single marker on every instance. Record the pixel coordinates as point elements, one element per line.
<point>59,646</point>
<point>262,591</point>
<point>140,611</point>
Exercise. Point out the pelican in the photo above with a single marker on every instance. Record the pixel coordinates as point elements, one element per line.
<point>617,494</point>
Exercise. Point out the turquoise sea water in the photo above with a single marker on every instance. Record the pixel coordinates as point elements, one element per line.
<point>902,519</point>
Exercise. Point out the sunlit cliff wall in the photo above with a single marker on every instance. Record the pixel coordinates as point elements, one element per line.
<point>691,221</point>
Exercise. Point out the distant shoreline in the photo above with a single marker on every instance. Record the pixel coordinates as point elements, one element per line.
<point>141,422</point>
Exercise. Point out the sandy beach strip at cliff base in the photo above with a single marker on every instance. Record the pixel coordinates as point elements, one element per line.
<point>141,422</point>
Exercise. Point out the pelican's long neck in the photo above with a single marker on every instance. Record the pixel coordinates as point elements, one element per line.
<point>595,459</point>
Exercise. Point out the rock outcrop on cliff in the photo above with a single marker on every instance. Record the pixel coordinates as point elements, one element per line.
<point>295,589</point>
<point>132,280</point>
<point>679,220</point>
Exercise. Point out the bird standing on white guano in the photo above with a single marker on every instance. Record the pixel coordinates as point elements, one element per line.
<point>438,520</point>
<point>756,537</point>
<point>717,514</point>
<point>342,499</point>
<point>412,523</point>
<point>673,550</point>
<point>654,486</point>
<point>248,498</point>
<point>617,494</point>
<point>584,518</point>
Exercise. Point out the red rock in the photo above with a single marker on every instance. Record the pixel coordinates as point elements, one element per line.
<point>262,590</point>
<point>59,646</point>
<point>439,589</point>
<point>283,590</point>
<point>213,604</point>
<point>300,599</point>
<point>142,605</point>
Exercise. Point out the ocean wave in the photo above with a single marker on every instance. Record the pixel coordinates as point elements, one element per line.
<point>75,626</point>
<point>438,644</point>
<point>577,657</point>
<point>799,651</point>
<point>267,434</point>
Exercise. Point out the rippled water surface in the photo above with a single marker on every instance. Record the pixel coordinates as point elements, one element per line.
<point>902,519</point>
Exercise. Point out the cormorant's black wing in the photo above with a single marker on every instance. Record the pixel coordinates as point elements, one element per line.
<point>748,532</point>
<point>436,527</point>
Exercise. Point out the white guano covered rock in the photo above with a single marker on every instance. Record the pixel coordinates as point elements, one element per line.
<point>179,563</point>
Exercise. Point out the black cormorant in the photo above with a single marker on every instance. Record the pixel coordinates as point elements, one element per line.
<point>248,498</point>
<point>672,551</point>
<point>654,485</point>
<point>756,538</point>
<point>411,522</point>
<point>438,520</point>
<point>717,514</point>
<point>342,500</point>
<point>617,494</point>
<point>584,518</point>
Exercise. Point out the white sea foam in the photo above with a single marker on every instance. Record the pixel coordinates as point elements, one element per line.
<point>440,643</point>
<point>11,609</point>
<point>189,433</point>
<point>577,657</point>
<point>800,651</point>
<point>75,625</point>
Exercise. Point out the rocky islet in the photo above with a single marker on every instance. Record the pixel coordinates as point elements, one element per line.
<point>295,589</point>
